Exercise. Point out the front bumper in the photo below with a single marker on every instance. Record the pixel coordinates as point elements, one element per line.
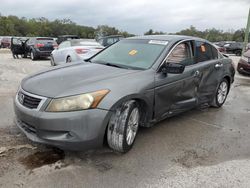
<point>243,67</point>
<point>79,130</point>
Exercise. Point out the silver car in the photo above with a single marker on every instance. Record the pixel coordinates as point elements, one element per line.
<point>74,50</point>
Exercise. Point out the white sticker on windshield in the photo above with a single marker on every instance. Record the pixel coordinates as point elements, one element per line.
<point>161,42</point>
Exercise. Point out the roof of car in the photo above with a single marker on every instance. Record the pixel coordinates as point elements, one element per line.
<point>85,42</point>
<point>110,36</point>
<point>165,37</point>
<point>67,36</point>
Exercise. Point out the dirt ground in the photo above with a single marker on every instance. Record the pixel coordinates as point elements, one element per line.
<point>201,148</point>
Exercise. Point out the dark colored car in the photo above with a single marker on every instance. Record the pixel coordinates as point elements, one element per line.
<point>39,47</point>
<point>244,63</point>
<point>221,49</point>
<point>62,38</point>
<point>6,42</point>
<point>135,82</point>
<point>234,48</point>
<point>109,40</point>
<point>19,46</point>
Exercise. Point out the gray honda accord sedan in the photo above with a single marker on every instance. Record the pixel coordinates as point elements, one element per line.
<point>135,82</point>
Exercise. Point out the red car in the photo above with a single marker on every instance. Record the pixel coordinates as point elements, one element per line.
<point>221,49</point>
<point>244,63</point>
<point>5,42</point>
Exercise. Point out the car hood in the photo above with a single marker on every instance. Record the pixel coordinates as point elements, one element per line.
<point>71,80</point>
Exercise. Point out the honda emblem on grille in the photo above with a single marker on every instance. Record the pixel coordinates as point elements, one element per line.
<point>21,98</point>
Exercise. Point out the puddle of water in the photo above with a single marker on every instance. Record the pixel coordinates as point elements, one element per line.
<point>41,158</point>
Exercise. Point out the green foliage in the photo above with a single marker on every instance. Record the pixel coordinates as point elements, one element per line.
<point>152,32</point>
<point>214,35</point>
<point>14,26</point>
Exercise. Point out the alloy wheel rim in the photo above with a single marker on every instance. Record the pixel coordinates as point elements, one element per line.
<point>68,59</point>
<point>222,92</point>
<point>133,124</point>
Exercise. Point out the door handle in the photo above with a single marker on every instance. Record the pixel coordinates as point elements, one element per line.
<point>197,73</point>
<point>218,65</point>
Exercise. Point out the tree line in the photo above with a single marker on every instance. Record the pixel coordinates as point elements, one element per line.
<point>15,26</point>
<point>213,35</point>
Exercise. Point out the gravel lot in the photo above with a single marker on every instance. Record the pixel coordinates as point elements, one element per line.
<point>201,148</point>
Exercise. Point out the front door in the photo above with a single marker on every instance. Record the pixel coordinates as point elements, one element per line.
<point>175,93</point>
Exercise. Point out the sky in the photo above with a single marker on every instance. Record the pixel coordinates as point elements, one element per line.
<point>137,16</point>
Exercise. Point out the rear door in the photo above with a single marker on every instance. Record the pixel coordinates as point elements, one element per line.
<point>210,67</point>
<point>175,93</point>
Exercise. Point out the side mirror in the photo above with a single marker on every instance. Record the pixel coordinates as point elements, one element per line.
<point>173,68</point>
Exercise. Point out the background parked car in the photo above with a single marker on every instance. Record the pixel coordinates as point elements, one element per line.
<point>223,43</point>
<point>108,40</point>
<point>234,48</point>
<point>221,49</point>
<point>244,63</point>
<point>19,46</point>
<point>38,47</point>
<point>62,38</point>
<point>5,42</point>
<point>74,50</point>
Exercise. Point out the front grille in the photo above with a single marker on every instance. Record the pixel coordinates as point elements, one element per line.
<point>28,101</point>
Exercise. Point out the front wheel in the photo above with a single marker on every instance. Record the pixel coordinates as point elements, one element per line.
<point>221,94</point>
<point>123,127</point>
<point>52,61</point>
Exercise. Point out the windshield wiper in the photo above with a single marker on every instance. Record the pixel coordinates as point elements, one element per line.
<point>114,65</point>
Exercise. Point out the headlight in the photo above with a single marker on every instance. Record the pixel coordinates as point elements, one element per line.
<point>78,102</point>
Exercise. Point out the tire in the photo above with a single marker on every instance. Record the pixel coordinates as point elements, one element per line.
<point>221,94</point>
<point>123,127</point>
<point>33,55</point>
<point>68,60</point>
<point>238,53</point>
<point>52,62</point>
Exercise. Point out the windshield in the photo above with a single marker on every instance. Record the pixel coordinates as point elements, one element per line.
<point>132,53</point>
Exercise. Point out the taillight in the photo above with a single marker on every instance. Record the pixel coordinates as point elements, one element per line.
<point>38,45</point>
<point>55,46</point>
<point>81,51</point>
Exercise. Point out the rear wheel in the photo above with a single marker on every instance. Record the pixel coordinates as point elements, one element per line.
<point>123,127</point>
<point>221,94</point>
<point>33,55</point>
<point>68,60</point>
<point>238,53</point>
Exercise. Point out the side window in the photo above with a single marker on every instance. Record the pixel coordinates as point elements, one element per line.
<point>64,45</point>
<point>100,41</point>
<point>110,41</point>
<point>31,41</point>
<point>181,54</point>
<point>116,39</point>
<point>203,52</point>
